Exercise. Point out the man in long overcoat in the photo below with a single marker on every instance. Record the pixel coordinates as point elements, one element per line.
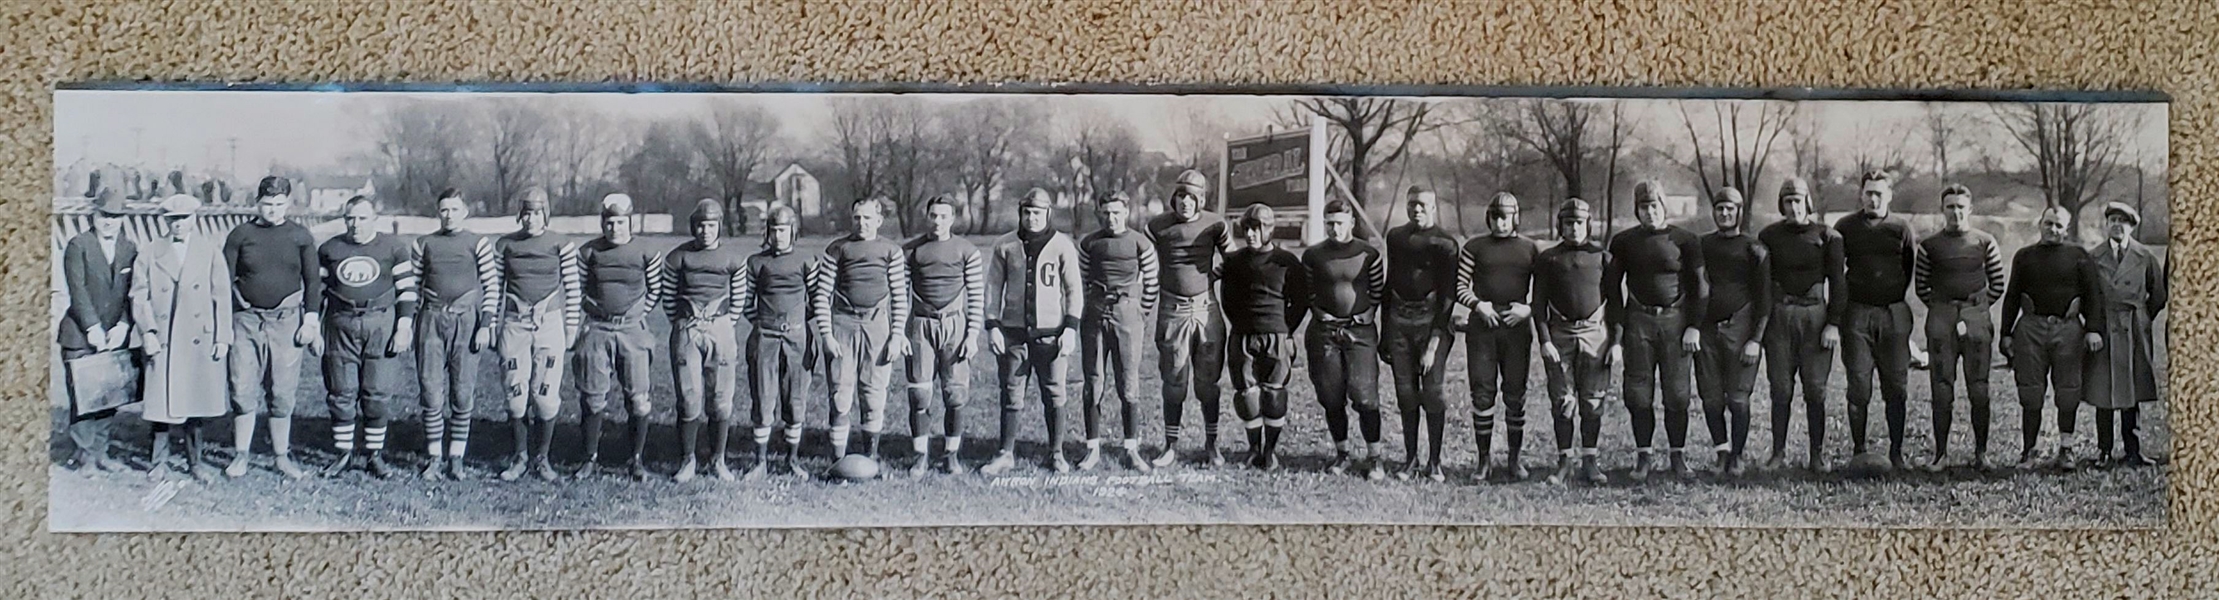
<point>2122,376</point>
<point>181,309</point>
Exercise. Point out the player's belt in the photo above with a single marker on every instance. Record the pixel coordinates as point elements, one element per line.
<point>467,302</point>
<point>1559,318</point>
<point>1195,305</point>
<point>1651,310</point>
<point>633,316</point>
<point>339,305</point>
<point>1359,320</point>
<point>954,310</point>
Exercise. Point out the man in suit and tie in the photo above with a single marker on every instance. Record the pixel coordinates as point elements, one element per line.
<point>2122,376</point>
<point>96,270</point>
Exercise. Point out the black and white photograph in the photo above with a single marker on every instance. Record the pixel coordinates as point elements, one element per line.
<point>569,307</point>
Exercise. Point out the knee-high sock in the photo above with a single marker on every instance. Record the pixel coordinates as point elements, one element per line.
<point>1212,423</point>
<point>281,435</point>
<point>373,435</point>
<point>1435,424</point>
<point>1054,416</point>
<point>1783,414</point>
<point>1644,421</point>
<point>1483,433</point>
<point>1738,428</point>
<point>1591,428</point>
<point>1980,426</point>
<point>1514,436</point>
<point>342,436</point>
<point>242,433</point>
<point>1944,419</point>
<point>689,438</point>
<point>1368,420</point>
<point>1814,420</point>
<point>1715,421</point>
<point>1858,415</point>
<point>1898,412</point>
<point>458,436</point>
<point>1174,411</point>
<point>1128,417</point>
<point>722,433</point>
<point>2030,425</point>
<point>951,421</point>
<point>1336,424</point>
<point>546,439</point>
<point>590,424</point>
<point>435,434</point>
<point>521,429</point>
<point>1410,435</point>
<point>1009,430</point>
<point>1675,427</point>
<point>638,429</point>
<point>1561,421</point>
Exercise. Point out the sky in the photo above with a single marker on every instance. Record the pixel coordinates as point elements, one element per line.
<point>196,130</point>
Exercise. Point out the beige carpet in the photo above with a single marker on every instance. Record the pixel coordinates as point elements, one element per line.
<point>2122,45</point>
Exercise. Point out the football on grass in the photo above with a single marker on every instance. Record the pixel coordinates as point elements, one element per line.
<point>1869,463</point>
<point>855,467</point>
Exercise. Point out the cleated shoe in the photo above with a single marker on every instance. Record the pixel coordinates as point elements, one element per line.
<point>686,472</point>
<point>1002,463</point>
<point>345,461</point>
<point>291,470</point>
<point>377,467</point>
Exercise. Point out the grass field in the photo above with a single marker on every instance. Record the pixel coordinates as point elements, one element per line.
<point>92,501</point>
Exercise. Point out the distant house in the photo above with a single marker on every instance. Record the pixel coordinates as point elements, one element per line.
<point>327,193</point>
<point>797,189</point>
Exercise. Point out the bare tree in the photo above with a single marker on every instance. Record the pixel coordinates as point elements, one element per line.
<point>422,147</point>
<point>582,146</point>
<point>732,138</point>
<point>1743,133</point>
<point>1944,126</point>
<point>1561,131</point>
<point>659,172</point>
<point>1877,148</point>
<point>1614,142</point>
<point>982,142</point>
<point>1200,137</point>
<point>1372,132</point>
<point>2075,147</point>
<point>1104,158</point>
<point>882,147</point>
<point>515,138</point>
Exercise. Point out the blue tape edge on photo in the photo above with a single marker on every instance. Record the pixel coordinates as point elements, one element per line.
<point>1274,89</point>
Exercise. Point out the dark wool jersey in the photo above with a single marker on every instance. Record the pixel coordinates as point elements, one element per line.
<point>1346,279</point>
<point>1959,266</point>
<point>2046,279</point>
<point>270,262</point>
<point>375,274</point>
<point>774,288</point>
<point>1878,254</point>
<point>1496,270</point>
<point>618,276</point>
<point>863,273</point>
<point>1802,256</point>
<point>1120,266</point>
<point>452,265</point>
<point>1568,281</point>
<point>1736,266</point>
<point>701,282</point>
<point>944,272</point>
<point>1423,263</point>
<point>533,266</point>
<point>1188,251</point>
<point>1657,267</point>
<point>1266,291</point>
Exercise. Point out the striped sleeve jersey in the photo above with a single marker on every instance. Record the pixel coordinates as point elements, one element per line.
<point>1958,266</point>
<point>376,273</point>
<point>858,274</point>
<point>1117,266</point>
<point>453,265</point>
<point>945,272</point>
